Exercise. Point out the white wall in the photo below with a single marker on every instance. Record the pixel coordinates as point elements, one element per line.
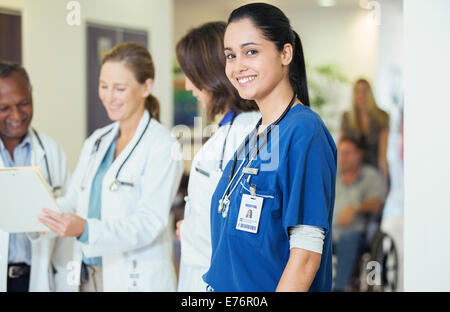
<point>390,50</point>
<point>344,37</point>
<point>341,35</point>
<point>427,145</point>
<point>54,54</point>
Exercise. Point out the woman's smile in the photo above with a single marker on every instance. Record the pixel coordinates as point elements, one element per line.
<point>244,81</point>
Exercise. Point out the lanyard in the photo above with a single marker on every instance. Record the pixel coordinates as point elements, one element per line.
<point>224,202</point>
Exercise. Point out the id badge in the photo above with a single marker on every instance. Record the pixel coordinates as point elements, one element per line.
<point>249,213</point>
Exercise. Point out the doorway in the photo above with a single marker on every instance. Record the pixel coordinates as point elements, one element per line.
<point>10,36</point>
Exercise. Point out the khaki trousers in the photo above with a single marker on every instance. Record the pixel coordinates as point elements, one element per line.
<point>94,282</point>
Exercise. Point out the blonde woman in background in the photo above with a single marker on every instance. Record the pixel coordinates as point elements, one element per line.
<point>119,199</point>
<point>368,124</point>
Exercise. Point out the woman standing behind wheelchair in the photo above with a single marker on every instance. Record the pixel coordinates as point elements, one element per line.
<point>367,123</point>
<point>118,202</point>
<point>200,54</point>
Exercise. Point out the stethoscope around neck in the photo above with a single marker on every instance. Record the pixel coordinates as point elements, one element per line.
<point>55,189</point>
<point>115,185</point>
<point>47,167</point>
<point>224,202</point>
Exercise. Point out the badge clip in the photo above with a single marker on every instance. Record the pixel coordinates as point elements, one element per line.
<point>223,206</point>
<point>226,205</point>
<point>253,190</point>
<point>252,171</point>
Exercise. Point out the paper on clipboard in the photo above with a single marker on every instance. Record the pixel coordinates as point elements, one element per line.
<point>23,193</point>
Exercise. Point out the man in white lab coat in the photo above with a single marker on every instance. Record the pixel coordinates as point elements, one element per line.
<point>29,265</point>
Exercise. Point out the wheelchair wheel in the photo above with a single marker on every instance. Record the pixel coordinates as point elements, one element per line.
<point>384,253</point>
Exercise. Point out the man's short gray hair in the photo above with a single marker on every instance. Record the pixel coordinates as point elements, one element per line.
<point>7,68</point>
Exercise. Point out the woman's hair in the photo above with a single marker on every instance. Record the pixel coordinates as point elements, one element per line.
<point>275,27</point>
<point>200,55</point>
<point>376,114</point>
<point>138,59</point>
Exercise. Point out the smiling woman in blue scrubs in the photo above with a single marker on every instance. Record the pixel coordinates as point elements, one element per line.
<point>284,172</point>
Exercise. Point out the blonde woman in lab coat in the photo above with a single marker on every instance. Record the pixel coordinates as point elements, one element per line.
<point>119,199</point>
<point>201,57</point>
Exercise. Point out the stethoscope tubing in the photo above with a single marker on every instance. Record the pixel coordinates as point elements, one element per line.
<point>47,167</point>
<point>227,193</point>
<point>116,183</point>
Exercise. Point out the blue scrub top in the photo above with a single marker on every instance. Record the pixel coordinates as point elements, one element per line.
<point>297,181</point>
<point>227,118</point>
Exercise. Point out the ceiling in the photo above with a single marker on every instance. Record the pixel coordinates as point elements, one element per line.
<point>282,3</point>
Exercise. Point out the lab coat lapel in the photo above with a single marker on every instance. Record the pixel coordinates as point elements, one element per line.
<point>2,164</point>
<point>4,248</point>
<point>4,252</point>
<point>100,154</point>
<point>38,154</point>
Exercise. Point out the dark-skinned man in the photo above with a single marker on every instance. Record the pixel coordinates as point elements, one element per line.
<point>27,263</point>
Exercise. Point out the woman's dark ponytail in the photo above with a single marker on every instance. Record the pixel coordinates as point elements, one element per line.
<point>297,71</point>
<point>153,107</point>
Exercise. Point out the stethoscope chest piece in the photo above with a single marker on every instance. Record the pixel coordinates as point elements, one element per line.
<point>114,186</point>
<point>224,204</point>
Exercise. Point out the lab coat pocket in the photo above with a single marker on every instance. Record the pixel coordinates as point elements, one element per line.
<point>234,223</point>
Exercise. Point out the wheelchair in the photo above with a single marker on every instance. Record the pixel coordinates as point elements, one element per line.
<point>376,268</point>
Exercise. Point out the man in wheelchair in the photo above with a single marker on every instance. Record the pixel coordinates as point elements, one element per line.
<point>360,194</point>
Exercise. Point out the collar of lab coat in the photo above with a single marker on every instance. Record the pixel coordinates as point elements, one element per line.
<point>115,133</point>
<point>107,140</point>
<point>37,152</point>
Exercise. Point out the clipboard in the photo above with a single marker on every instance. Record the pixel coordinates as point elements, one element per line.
<point>23,193</point>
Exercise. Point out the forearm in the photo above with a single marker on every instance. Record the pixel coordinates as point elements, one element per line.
<point>370,205</point>
<point>300,271</point>
<point>382,154</point>
<point>384,167</point>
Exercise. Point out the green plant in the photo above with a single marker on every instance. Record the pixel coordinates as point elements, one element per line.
<point>320,80</point>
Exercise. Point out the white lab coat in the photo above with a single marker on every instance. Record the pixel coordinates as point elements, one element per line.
<point>195,231</point>
<point>48,255</point>
<point>133,236</point>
